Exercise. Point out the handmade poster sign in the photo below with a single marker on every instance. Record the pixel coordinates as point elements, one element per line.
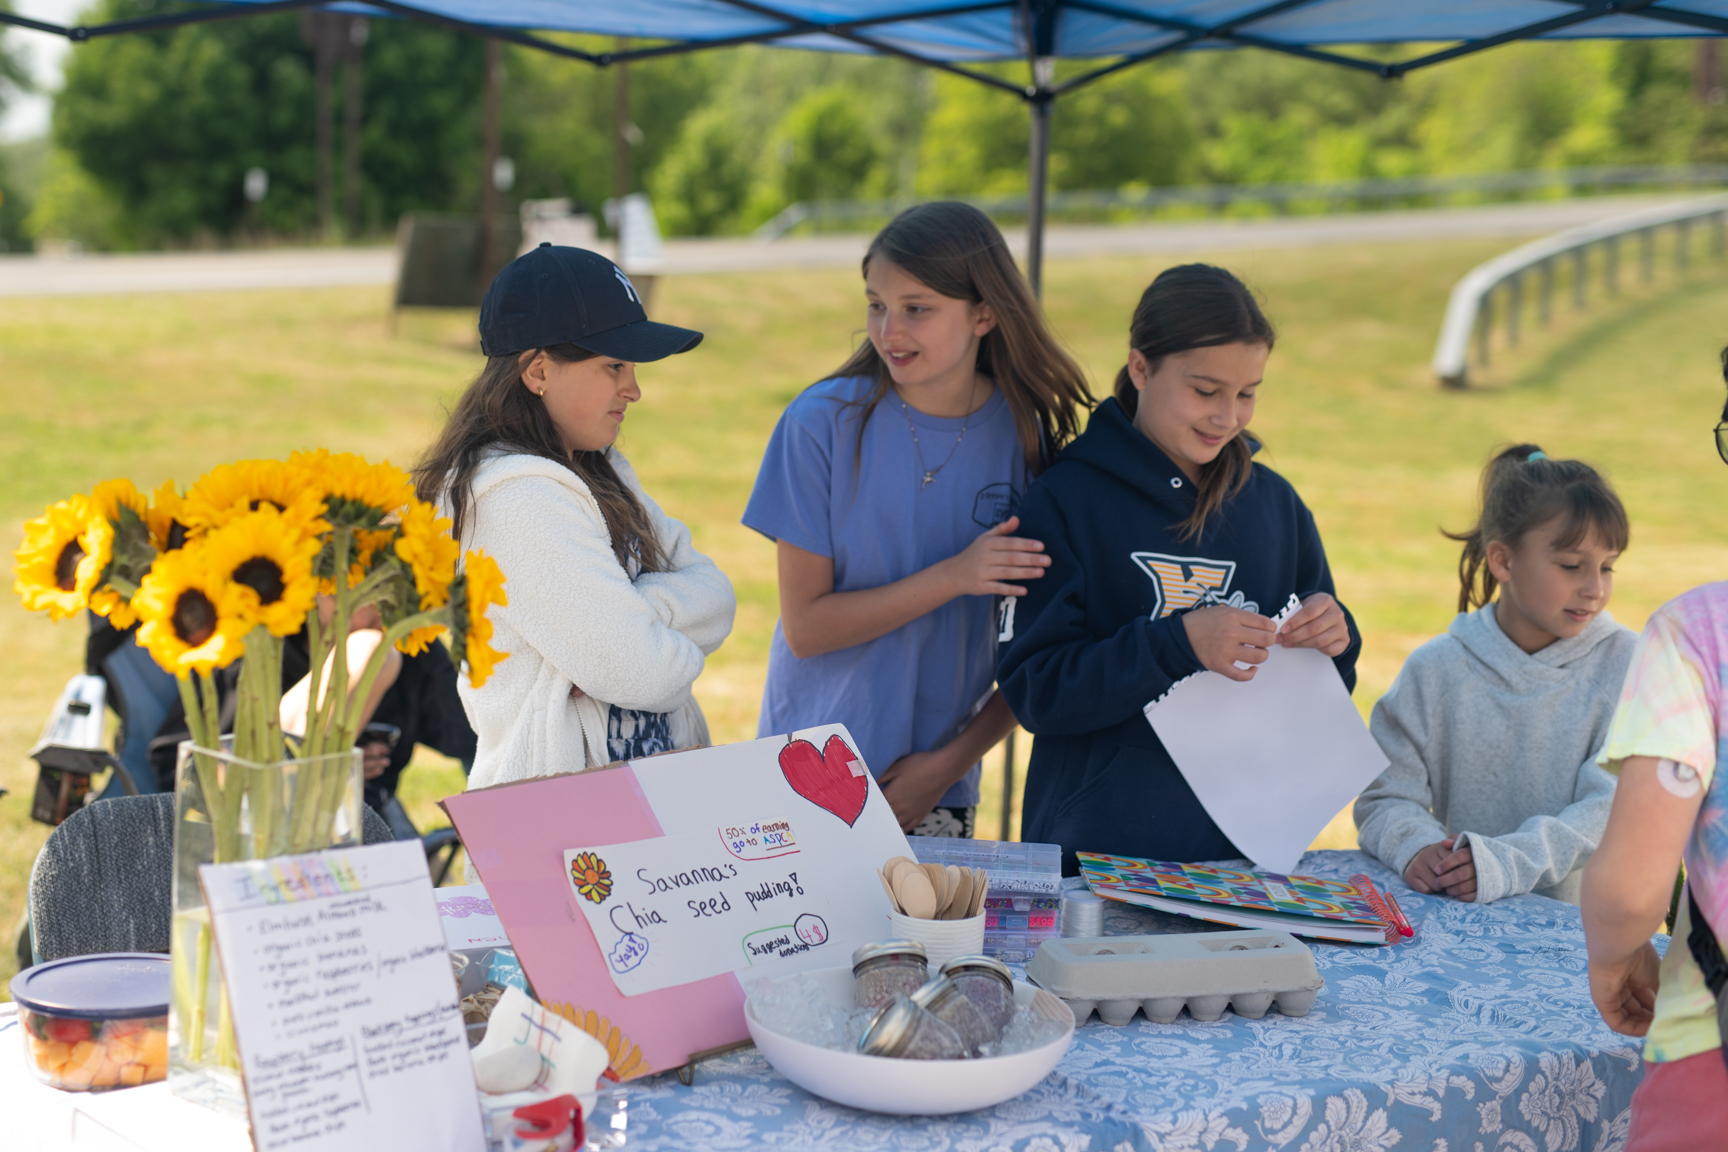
<point>344,1009</point>
<point>640,897</point>
<point>1272,759</point>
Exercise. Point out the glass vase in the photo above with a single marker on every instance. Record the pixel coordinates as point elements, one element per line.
<point>230,809</point>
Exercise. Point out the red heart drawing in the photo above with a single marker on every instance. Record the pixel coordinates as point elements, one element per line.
<point>834,778</point>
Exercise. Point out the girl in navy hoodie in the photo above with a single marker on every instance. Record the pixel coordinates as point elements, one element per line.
<point>1169,547</point>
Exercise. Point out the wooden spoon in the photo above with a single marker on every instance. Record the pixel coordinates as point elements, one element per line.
<point>980,890</point>
<point>938,884</point>
<point>894,862</point>
<point>900,869</point>
<point>893,901</point>
<point>961,902</point>
<point>917,897</point>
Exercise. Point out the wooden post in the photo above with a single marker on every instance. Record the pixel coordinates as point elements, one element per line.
<point>357,33</point>
<point>1514,309</point>
<point>621,132</point>
<point>316,28</point>
<point>489,148</point>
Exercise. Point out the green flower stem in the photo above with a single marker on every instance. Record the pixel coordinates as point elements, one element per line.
<point>316,647</point>
<point>344,733</point>
<point>201,979</point>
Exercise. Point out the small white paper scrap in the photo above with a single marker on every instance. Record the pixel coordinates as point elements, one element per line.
<point>1272,759</point>
<point>343,1002</point>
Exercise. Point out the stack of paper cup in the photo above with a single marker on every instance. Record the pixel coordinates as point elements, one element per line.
<point>942,939</point>
<point>1082,913</point>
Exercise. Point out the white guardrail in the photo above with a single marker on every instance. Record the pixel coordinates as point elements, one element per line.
<point>1470,311</point>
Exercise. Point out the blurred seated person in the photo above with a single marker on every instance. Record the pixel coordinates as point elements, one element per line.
<point>413,702</point>
<point>142,695</point>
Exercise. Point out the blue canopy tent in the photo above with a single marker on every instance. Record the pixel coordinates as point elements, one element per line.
<point>957,35</point>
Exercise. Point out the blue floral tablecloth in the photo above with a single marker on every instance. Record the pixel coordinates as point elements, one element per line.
<point>1478,1036</point>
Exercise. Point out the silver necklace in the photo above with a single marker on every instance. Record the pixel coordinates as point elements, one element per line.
<point>930,473</point>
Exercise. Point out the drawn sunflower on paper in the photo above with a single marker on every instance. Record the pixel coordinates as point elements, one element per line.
<point>591,878</point>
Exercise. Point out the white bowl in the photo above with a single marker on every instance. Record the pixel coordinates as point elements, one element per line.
<point>911,1087</point>
<point>942,939</point>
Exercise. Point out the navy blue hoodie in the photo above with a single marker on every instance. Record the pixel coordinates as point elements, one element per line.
<point>1101,633</point>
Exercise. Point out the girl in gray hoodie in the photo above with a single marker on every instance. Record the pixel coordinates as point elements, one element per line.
<point>1492,730</point>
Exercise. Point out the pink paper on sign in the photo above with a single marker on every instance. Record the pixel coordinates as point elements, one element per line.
<point>523,829</point>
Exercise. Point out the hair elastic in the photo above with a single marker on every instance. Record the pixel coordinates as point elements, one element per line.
<point>1535,456</point>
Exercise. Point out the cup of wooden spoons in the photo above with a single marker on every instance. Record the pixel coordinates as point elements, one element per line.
<point>941,907</point>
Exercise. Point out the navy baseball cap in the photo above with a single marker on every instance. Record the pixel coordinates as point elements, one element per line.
<point>552,295</point>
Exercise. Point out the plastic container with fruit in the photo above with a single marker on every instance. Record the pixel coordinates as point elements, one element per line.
<point>95,1022</point>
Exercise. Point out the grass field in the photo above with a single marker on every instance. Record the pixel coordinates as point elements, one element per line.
<point>167,386</point>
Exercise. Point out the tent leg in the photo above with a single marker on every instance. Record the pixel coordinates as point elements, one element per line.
<point>1038,181</point>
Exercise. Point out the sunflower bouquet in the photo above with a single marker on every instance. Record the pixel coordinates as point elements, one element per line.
<point>231,568</point>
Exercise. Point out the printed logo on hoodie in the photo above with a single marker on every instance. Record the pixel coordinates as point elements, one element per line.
<point>1181,582</point>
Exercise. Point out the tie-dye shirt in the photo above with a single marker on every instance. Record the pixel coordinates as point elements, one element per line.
<point>1675,707</point>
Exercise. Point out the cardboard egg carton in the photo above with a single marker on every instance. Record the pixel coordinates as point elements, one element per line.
<point>1247,971</point>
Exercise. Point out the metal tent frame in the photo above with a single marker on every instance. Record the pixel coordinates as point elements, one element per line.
<point>956,36</point>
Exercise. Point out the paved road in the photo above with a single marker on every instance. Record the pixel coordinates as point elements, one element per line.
<point>332,267</point>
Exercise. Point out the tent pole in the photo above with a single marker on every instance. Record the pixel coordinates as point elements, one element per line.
<point>1037,185</point>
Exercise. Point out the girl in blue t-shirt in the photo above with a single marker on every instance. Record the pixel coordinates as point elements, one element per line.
<point>890,489</point>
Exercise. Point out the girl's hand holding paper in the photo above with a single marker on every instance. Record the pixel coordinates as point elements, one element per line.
<point>1229,641</point>
<point>1318,624</point>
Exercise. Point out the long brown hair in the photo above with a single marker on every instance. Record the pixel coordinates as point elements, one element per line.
<point>1198,306</point>
<point>498,412</point>
<point>956,251</point>
<point>1522,489</point>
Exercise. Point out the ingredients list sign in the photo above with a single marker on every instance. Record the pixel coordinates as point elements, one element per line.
<point>344,1008</point>
<point>675,909</point>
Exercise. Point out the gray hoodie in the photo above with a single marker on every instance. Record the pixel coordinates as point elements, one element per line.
<point>1494,743</point>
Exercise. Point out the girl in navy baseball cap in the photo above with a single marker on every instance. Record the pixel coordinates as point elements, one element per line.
<point>612,611</point>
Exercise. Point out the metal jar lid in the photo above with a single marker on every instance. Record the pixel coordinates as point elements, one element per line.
<point>988,964</point>
<point>889,948</point>
<point>890,1029</point>
<point>933,992</point>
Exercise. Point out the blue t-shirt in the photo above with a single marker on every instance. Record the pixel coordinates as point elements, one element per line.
<point>914,689</point>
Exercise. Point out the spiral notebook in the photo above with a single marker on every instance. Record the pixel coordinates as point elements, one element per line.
<point>1352,911</point>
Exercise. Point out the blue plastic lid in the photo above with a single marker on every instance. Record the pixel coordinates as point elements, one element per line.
<point>107,986</point>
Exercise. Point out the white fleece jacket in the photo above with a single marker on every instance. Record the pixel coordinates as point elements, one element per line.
<point>1498,745</point>
<point>575,617</point>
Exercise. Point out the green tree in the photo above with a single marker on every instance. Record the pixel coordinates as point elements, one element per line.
<point>559,119</point>
<point>701,186</point>
<point>14,195</point>
<point>823,148</point>
<point>167,123</point>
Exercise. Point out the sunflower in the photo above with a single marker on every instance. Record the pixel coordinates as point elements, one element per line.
<point>118,544</point>
<point>593,882</point>
<point>182,604</point>
<point>167,518</point>
<point>230,490</point>
<point>53,569</point>
<point>264,561</point>
<point>479,584</point>
<point>358,494</point>
<point>425,545</point>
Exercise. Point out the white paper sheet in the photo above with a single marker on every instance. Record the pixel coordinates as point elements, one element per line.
<point>1272,759</point>
<point>344,1003</point>
<point>677,909</point>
